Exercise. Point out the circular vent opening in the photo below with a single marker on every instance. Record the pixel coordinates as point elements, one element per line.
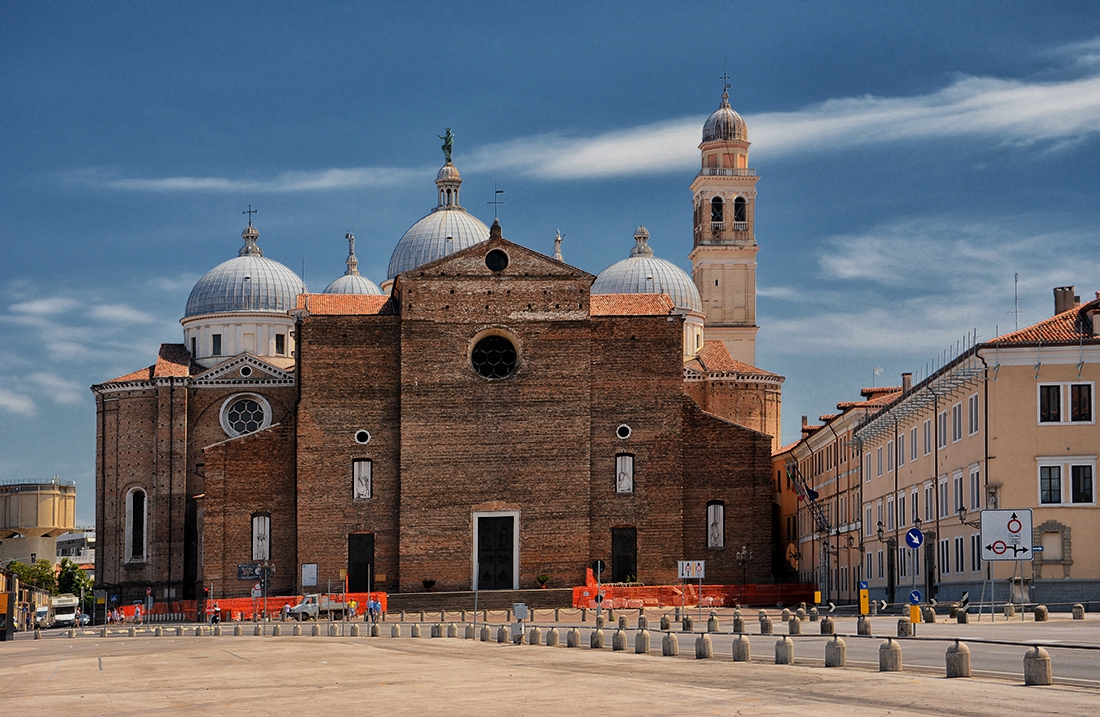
<point>362,436</point>
<point>623,431</point>
<point>246,371</point>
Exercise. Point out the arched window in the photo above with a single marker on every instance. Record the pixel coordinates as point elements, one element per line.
<point>624,473</point>
<point>739,210</point>
<point>716,209</point>
<point>261,536</point>
<point>716,524</point>
<point>136,511</point>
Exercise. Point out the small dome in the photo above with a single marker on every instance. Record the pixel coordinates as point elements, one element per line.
<point>248,282</point>
<point>448,173</point>
<point>352,284</point>
<point>725,124</point>
<point>644,273</point>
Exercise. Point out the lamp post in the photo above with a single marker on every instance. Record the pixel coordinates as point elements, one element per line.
<point>743,556</point>
<point>891,550</point>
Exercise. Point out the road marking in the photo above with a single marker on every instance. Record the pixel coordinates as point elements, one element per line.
<point>236,655</point>
<point>101,664</point>
<point>54,671</point>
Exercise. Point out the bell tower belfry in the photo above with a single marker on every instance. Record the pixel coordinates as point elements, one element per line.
<point>723,259</point>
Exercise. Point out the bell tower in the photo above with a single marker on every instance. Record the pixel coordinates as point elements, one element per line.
<point>723,259</point>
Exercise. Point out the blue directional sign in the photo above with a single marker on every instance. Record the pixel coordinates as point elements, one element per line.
<point>914,538</point>
<point>914,597</point>
<point>862,584</point>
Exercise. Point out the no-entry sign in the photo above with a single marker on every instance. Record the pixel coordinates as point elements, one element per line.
<point>1006,534</point>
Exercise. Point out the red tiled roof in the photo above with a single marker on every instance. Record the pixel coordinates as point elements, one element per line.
<point>173,360</point>
<point>142,374</point>
<point>1067,327</point>
<point>876,390</point>
<point>343,304</point>
<point>715,356</point>
<point>786,448</point>
<point>631,305</point>
<point>826,417</point>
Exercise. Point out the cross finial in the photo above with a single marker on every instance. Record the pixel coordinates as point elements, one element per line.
<point>250,211</point>
<point>726,80</point>
<point>497,201</point>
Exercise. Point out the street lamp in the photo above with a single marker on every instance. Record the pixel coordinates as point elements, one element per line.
<point>972,524</point>
<point>743,556</point>
<point>891,550</point>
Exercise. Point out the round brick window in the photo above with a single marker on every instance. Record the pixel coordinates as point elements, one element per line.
<point>496,260</point>
<point>494,357</point>
<point>245,413</point>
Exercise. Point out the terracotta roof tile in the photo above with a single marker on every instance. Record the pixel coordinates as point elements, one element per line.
<point>878,390</point>
<point>173,360</point>
<point>786,448</point>
<point>1069,326</point>
<point>344,304</point>
<point>142,374</point>
<point>631,305</point>
<point>714,356</point>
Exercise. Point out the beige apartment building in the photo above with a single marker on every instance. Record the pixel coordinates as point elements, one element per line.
<point>1004,424</point>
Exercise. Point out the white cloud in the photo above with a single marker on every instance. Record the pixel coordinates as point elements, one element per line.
<point>299,181</point>
<point>61,390</point>
<point>120,313</point>
<point>16,403</point>
<point>45,307</point>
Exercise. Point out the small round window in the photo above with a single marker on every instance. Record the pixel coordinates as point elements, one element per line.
<point>243,414</point>
<point>623,431</point>
<point>362,437</point>
<point>496,260</point>
<point>494,357</point>
<point>246,371</point>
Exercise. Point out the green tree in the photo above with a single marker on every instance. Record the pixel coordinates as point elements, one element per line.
<point>40,575</point>
<point>72,579</point>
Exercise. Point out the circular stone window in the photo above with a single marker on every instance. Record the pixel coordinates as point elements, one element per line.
<point>362,437</point>
<point>246,371</point>
<point>494,357</point>
<point>245,413</point>
<point>623,431</point>
<point>496,260</point>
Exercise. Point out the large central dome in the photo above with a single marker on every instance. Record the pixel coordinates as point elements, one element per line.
<point>447,229</point>
<point>643,273</point>
<point>248,282</point>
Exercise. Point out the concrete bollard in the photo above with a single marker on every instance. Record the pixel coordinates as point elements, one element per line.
<point>1041,613</point>
<point>179,631</point>
<point>953,612</point>
<point>889,656</point>
<point>863,626</point>
<point>237,631</point>
<point>436,630</point>
<point>712,622</point>
<point>785,615</point>
<point>573,638</point>
<point>738,624</point>
<point>217,631</point>
<point>784,651</point>
<point>641,641</point>
<point>485,633</point>
<point>277,631</point>
<point>552,637</point>
<point>800,613</point>
<point>905,627</point>
<point>622,622</point>
<point>103,632</point>
<point>395,630</point>
<point>296,630</point>
<point>470,631</point>
<point>1009,610</point>
<point>618,640</point>
<point>600,621</point>
<point>687,624</point>
<point>666,624</point>
<point>1037,669</point>
<point>354,630</point>
<point>595,639</point>
<point>794,627</point>
<point>502,635</point>
<point>742,649</point>
<point>37,634</point>
<point>158,632</point>
<point>375,630</point>
<point>643,622</point>
<point>704,647</point>
<point>928,615</point>
<point>258,631</point>
<point>198,631</point>
<point>813,614</point>
<point>670,645</point>
<point>331,630</point>
<point>836,652</point>
<point>958,660</point>
<point>534,636</point>
<point>962,617</point>
<point>414,631</point>
<point>766,626</point>
<point>314,630</point>
<point>828,627</point>
<point>1078,612</point>
<point>761,615</point>
<point>132,632</point>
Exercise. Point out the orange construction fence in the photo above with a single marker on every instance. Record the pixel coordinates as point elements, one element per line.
<point>247,608</point>
<point>618,596</point>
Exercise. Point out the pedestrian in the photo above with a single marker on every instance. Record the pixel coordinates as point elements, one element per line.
<point>286,611</point>
<point>137,614</point>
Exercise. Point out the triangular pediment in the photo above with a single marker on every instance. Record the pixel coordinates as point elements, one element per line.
<point>471,263</point>
<point>244,370</point>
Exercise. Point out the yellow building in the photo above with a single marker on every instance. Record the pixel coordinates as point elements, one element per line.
<point>1006,424</point>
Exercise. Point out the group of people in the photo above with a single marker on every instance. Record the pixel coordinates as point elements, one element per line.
<point>374,610</point>
<point>116,616</point>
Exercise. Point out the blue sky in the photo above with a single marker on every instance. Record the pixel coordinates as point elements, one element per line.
<point>913,158</point>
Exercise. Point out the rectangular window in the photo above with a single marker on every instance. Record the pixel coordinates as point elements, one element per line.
<point>867,469</point>
<point>890,456</point>
<point>972,414</point>
<point>1050,404</point>
<point>878,462</point>
<point>958,481</point>
<point>959,554</point>
<point>956,423</point>
<point>624,473</point>
<point>881,568</point>
<point>901,450</point>
<point>1080,403</point>
<point>941,430</point>
<point>944,502</point>
<point>975,489</point>
<point>945,557</point>
<point>1081,490</point>
<point>867,570</point>
<point>903,560</point>
<point>361,479</point>
<point>280,344</point>
<point>194,345</point>
<point>913,443</point>
<point>928,502</point>
<point>867,519</point>
<point>878,514</point>
<point>261,537</point>
<point>716,525</point>
<point>901,509</point>
<point>890,513</point>
<point>216,344</point>
<point>927,436</point>
<point>916,505</point>
<point>976,552</point>
<point>1050,484</point>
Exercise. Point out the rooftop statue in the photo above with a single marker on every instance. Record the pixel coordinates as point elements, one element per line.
<point>448,143</point>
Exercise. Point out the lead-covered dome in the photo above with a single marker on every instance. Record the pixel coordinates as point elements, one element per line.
<point>725,124</point>
<point>643,273</point>
<point>352,282</point>
<point>248,282</point>
<point>447,229</point>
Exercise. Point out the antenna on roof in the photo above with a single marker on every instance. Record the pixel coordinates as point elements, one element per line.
<point>1016,286</point>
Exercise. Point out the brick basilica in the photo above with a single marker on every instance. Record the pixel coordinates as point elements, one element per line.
<point>488,416</point>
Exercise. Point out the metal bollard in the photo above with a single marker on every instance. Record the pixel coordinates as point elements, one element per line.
<point>462,616</point>
<point>584,614</point>
<point>742,649</point>
<point>1037,670</point>
<point>670,645</point>
<point>443,616</point>
<point>889,656</point>
<point>534,636</point>
<point>836,652</point>
<point>784,651</point>
<point>595,640</point>
<point>552,637</point>
<point>422,616</point>
<point>863,626</point>
<point>794,627</point>
<point>618,640</point>
<point>401,617</point>
<point>557,614</point>
<point>905,627</point>
<point>573,638</point>
<point>958,660</point>
<point>641,641</point>
<point>704,647</point>
<point>712,622</point>
<point>828,627</point>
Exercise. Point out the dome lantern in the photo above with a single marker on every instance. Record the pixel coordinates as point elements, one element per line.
<point>352,282</point>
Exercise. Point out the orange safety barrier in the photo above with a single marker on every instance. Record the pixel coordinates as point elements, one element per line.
<point>248,608</point>
<point>619,597</point>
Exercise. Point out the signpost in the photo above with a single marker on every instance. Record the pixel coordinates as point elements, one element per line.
<point>1006,536</point>
<point>694,569</point>
<point>914,538</point>
<point>598,566</point>
<point>864,599</point>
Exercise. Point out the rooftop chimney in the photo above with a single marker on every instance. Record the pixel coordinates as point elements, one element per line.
<point>906,382</point>
<point>1064,299</point>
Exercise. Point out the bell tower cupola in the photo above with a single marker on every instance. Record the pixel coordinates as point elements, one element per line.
<point>723,259</point>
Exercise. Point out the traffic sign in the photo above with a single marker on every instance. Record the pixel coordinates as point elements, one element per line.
<point>914,538</point>
<point>964,603</point>
<point>862,584</point>
<point>1006,535</point>
<point>915,597</point>
<point>257,591</point>
<point>692,569</point>
<point>598,566</point>
<point>148,591</point>
<point>832,606</point>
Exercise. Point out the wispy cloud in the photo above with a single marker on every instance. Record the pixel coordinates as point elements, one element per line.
<point>61,390</point>
<point>120,313</point>
<point>16,403</point>
<point>46,306</point>
<point>298,181</point>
